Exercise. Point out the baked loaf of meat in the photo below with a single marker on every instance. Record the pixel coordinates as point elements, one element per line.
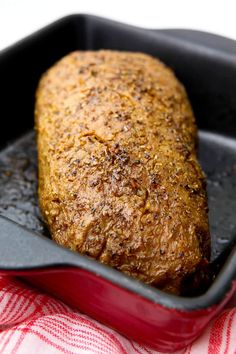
<point>119,179</point>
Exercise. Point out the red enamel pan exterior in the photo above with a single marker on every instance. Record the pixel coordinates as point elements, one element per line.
<point>159,327</point>
<point>206,64</point>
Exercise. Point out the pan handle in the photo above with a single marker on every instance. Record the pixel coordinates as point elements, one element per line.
<point>21,248</point>
<point>209,40</point>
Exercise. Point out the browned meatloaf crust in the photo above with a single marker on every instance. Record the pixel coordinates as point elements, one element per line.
<point>119,178</point>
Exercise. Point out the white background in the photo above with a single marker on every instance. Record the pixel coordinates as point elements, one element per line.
<point>19,18</point>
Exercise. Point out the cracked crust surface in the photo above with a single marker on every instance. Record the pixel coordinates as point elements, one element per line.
<point>119,178</point>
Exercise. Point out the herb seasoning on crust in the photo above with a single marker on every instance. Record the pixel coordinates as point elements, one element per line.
<point>119,179</point>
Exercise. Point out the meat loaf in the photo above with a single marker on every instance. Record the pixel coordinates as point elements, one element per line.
<point>119,179</point>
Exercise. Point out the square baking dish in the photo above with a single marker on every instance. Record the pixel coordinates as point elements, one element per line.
<point>206,64</point>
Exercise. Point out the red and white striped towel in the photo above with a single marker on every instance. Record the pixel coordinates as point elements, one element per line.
<point>32,322</point>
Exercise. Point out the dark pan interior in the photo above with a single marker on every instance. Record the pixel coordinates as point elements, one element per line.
<point>205,64</point>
